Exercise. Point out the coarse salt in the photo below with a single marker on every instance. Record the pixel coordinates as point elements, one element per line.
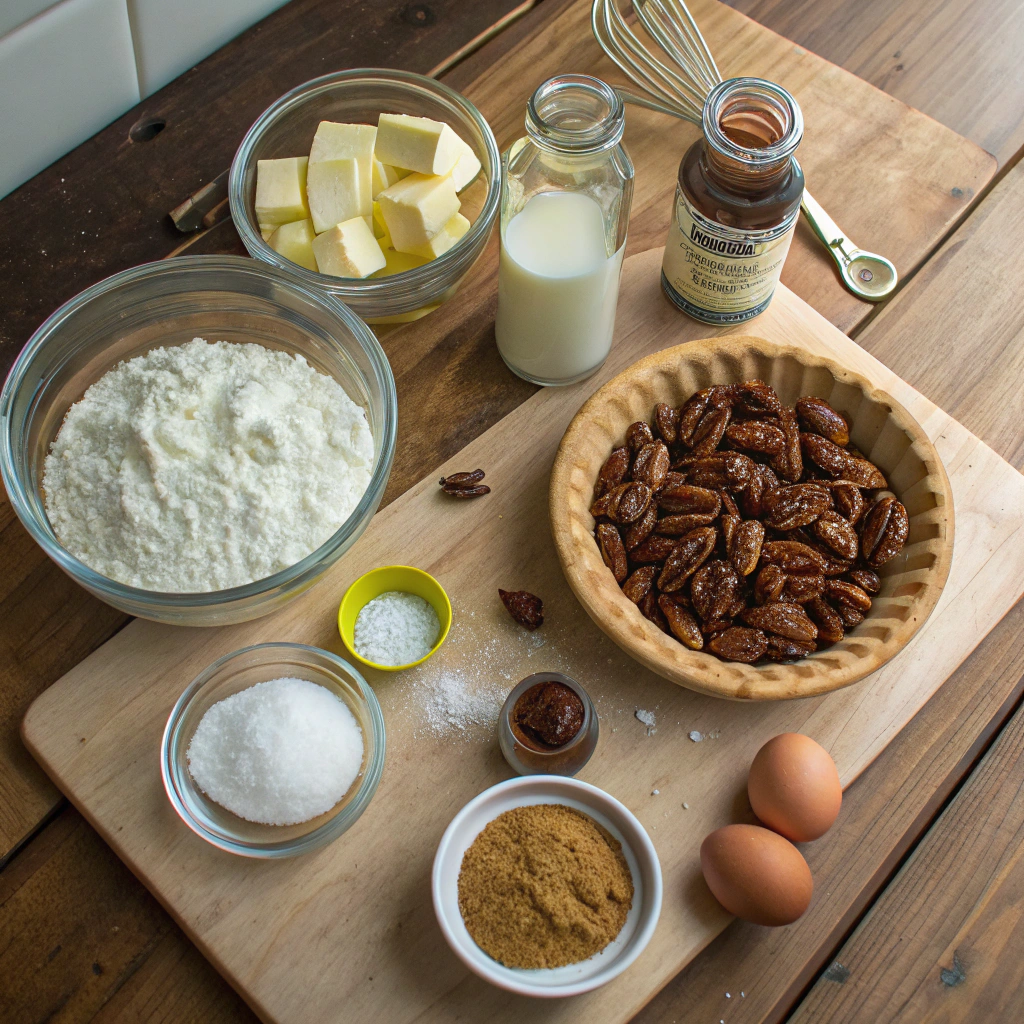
<point>278,753</point>
<point>396,628</point>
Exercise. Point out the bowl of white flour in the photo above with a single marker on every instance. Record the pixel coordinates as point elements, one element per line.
<point>198,440</point>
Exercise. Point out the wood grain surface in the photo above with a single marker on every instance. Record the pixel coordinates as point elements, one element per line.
<point>96,729</point>
<point>966,75</point>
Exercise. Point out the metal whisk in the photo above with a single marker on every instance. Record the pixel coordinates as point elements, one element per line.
<point>677,82</point>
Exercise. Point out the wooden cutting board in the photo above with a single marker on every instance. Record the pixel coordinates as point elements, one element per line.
<point>349,933</point>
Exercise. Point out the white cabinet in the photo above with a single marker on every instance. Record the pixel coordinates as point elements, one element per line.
<point>64,75</point>
<point>173,35</point>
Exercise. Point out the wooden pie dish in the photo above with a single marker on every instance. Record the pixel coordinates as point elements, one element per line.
<point>880,427</point>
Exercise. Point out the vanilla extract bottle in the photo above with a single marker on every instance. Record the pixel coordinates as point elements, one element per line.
<point>736,205</point>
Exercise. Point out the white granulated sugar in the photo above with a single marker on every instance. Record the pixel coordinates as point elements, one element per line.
<point>279,753</point>
<point>696,736</point>
<point>396,628</point>
<point>647,718</point>
<point>204,466</point>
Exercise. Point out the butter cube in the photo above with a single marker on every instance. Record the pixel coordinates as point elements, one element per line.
<point>380,229</point>
<point>339,179</point>
<point>295,242</point>
<point>281,190</point>
<point>348,250</point>
<point>417,208</point>
<point>384,175</point>
<point>444,239</point>
<point>266,230</point>
<point>418,143</point>
<point>466,168</point>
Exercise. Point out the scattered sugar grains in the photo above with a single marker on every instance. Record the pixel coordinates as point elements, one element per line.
<point>396,628</point>
<point>278,753</point>
<point>647,718</point>
<point>204,466</point>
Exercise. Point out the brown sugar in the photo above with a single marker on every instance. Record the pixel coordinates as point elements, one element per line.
<point>544,886</point>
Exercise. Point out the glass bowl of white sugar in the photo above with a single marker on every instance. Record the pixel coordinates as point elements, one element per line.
<point>197,441</point>
<point>274,750</point>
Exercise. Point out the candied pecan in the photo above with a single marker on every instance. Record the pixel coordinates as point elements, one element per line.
<point>851,616</point>
<point>824,454</point>
<point>827,619</point>
<point>802,588</point>
<point>677,525</point>
<point>737,643</point>
<point>710,431</point>
<point>650,609</point>
<point>866,580</point>
<point>655,549</point>
<point>755,398</point>
<point>762,482</point>
<point>613,472</point>
<point>788,620</point>
<point>786,508</point>
<point>792,557</point>
<point>781,648</point>
<point>884,532</point>
<point>728,503</point>
<point>714,590</point>
<point>526,608</point>
<point>690,414</point>
<point>864,473</point>
<point>731,470</point>
<point>818,417</point>
<point>666,419</point>
<point>686,558</point>
<point>613,551</point>
<point>744,546</point>
<point>671,480</point>
<point>769,585</point>
<point>728,524</point>
<point>651,464</point>
<point>626,503</point>
<point>840,592</point>
<point>832,529</point>
<point>639,583</point>
<point>789,463</point>
<point>464,485</point>
<point>681,621</point>
<point>640,529</point>
<point>756,436</point>
<point>638,434</point>
<point>686,498</point>
<point>849,500</point>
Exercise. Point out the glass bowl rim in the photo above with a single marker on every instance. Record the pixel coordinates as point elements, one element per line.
<point>326,833</point>
<point>424,276</point>
<point>294,575</point>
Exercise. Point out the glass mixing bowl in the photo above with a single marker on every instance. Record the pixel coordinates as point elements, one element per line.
<point>239,671</point>
<point>220,298</point>
<point>287,128</point>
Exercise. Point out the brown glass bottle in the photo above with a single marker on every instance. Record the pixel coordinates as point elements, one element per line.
<point>737,201</point>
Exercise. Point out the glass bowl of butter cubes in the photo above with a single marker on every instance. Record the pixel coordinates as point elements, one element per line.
<point>378,186</point>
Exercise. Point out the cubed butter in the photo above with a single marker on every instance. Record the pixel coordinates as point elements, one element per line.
<point>444,239</point>
<point>380,229</point>
<point>266,230</point>
<point>397,262</point>
<point>340,173</point>
<point>295,242</point>
<point>281,190</point>
<point>348,250</point>
<point>417,208</point>
<point>384,175</point>
<point>418,143</point>
<point>466,168</point>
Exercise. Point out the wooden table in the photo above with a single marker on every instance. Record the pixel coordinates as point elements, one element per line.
<point>924,874</point>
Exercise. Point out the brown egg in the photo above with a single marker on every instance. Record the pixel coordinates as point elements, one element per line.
<point>794,787</point>
<point>756,874</point>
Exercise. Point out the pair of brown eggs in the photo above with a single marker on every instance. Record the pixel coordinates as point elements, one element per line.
<point>756,872</point>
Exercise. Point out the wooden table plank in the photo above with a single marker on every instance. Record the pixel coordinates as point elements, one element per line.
<point>957,334</point>
<point>944,940</point>
<point>956,60</point>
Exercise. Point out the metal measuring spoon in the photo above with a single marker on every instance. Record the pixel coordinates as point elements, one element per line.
<point>866,274</point>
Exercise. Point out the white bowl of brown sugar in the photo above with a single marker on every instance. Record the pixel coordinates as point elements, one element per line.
<point>508,877</point>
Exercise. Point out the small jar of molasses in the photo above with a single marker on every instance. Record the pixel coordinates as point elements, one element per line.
<point>548,726</point>
<point>737,203</point>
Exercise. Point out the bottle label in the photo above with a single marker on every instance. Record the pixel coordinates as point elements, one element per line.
<point>719,274</point>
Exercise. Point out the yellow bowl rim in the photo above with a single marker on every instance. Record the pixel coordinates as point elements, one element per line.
<point>412,664</point>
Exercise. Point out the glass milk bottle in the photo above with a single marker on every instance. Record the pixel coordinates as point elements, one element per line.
<point>565,197</point>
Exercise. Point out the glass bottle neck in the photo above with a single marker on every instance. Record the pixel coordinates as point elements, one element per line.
<point>752,128</point>
<point>575,115</point>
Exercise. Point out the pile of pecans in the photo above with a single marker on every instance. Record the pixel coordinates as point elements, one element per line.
<point>744,527</point>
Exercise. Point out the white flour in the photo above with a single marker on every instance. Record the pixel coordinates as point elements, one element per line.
<point>206,466</point>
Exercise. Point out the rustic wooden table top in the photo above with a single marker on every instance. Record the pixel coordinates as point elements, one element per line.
<point>924,874</point>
